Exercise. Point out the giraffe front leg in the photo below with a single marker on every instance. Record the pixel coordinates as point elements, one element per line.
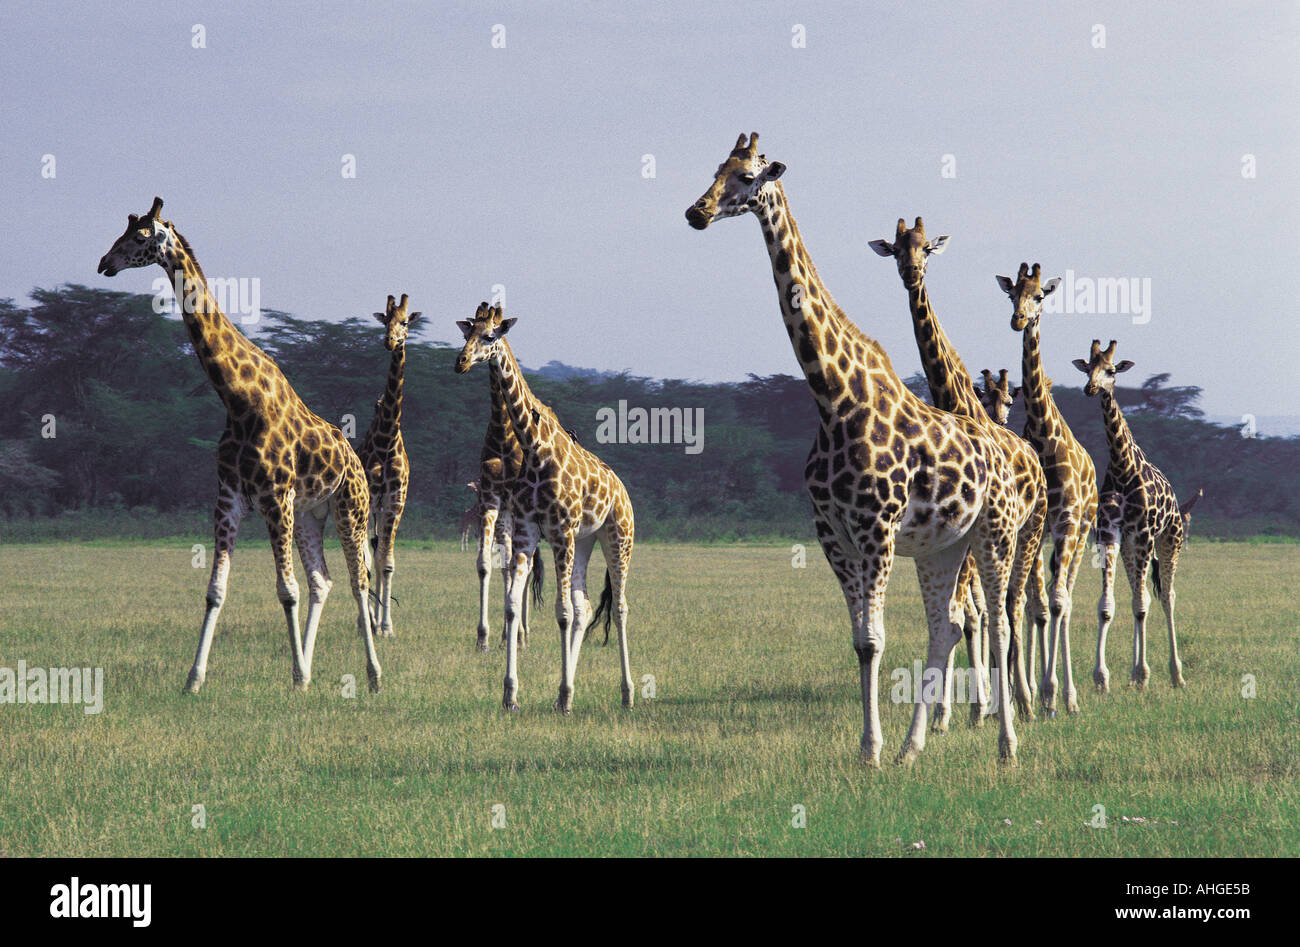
<point>309,533</point>
<point>565,553</point>
<point>386,563</point>
<point>1107,551</point>
<point>1076,546</point>
<point>230,510</point>
<point>484,564</point>
<point>943,614</point>
<point>278,513</point>
<point>1137,563</point>
<point>1167,558</point>
<point>516,589</point>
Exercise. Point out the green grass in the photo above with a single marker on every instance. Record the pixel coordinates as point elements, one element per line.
<point>756,712</point>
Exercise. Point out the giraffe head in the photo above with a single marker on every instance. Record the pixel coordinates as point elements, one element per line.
<point>148,239</point>
<point>484,337</point>
<point>1101,368</point>
<point>397,321</point>
<point>997,396</point>
<point>736,185</point>
<point>1027,294</point>
<point>911,250</point>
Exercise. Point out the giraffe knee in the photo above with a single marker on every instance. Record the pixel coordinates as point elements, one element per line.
<point>320,587</point>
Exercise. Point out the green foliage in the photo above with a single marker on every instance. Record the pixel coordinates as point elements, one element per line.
<point>136,423</point>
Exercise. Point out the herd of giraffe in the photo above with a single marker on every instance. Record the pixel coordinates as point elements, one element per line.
<point>943,482</point>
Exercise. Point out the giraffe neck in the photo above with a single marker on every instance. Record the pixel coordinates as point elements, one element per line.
<point>500,432</point>
<point>836,358</point>
<point>518,400</point>
<point>1124,452</point>
<point>220,346</point>
<point>950,384</point>
<point>1040,406</point>
<point>388,412</point>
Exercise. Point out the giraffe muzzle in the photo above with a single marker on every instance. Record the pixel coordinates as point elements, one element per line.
<point>106,268</point>
<point>697,216</point>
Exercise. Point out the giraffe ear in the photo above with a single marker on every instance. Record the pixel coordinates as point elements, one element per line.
<point>413,316</point>
<point>937,245</point>
<point>772,172</point>
<point>380,317</point>
<point>1008,287</point>
<point>1014,393</point>
<point>505,326</point>
<point>1123,366</point>
<point>1050,286</point>
<point>466,327</point>
<point>1081,365</point>
<point>882,247</point>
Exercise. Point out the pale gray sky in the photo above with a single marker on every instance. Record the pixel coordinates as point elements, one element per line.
<point>523,166</point>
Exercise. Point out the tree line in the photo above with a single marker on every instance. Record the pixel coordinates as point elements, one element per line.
<point>107,419</point>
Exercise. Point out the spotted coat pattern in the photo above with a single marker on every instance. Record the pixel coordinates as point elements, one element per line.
<point>274,456</point>
<point>565,495</point>
<point>888,474</point>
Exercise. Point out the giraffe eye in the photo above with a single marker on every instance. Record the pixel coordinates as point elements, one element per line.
<point>747,178</point>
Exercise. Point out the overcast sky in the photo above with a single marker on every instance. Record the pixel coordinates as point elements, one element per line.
<point>523,166</point>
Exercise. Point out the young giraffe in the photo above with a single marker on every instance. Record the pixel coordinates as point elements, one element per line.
<point>1139,514</point>
<point>383,458</point>
<point>1071,479</point>
<point>888,474</point>
<point>564,494</point>
<point>499,464</point>
<point>953,390</point>
<point>275,455</point>
<point>998,396</point>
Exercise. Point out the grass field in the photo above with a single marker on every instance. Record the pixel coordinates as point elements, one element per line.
<point>756,712</point>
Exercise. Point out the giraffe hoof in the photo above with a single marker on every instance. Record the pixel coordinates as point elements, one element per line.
<point>908,756</point>
<point>193,685</point>
<point>1072,707</point>
<point>869,760</point>
<point>509,706</point>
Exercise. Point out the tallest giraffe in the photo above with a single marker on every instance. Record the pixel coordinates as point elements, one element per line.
<point>275,455</point>
<point>888,473</point>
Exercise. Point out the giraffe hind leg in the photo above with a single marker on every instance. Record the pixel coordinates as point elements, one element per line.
<point>309,533</point>
<point>350,508</point>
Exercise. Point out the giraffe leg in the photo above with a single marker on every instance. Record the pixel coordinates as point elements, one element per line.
<point>523,542</point>
<point>309,532</point>
<point>1038,618</point>
<point>1167,550</point>
<point>995,574</point>
<point>1047,688</point>
<point>350,509</point>
<point>1027,551</point>
<point>277,510</point>
<point>231,507</point>
<point>506,543</point>
<point>390,517</point>
<point>486,532</point>
<point>1109,518</point>
<point>565,553</point>
<point>616,544</point>
<point>977,648</point>
<point>938,578</point>
<point>581,606</point>
<point>1077,546</point>
<point>1137,563</point>
<point>867,620</point>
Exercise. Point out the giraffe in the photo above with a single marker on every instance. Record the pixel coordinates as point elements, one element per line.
<point>383,458</point>
<point>998,396</point>
<point>1071,480</point>
<point>888,474</point>
<point>499,464</point>
<point>1139,514</point>
<point>564,494</point>
<point>275,455</point>
<point>952,389</point>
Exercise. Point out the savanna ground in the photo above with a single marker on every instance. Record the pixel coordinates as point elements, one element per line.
<point>756,712</point>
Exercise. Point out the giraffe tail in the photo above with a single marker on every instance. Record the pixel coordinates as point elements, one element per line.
<point>1155,575</point>
<point>604,608</point>
<point>538,578</point>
